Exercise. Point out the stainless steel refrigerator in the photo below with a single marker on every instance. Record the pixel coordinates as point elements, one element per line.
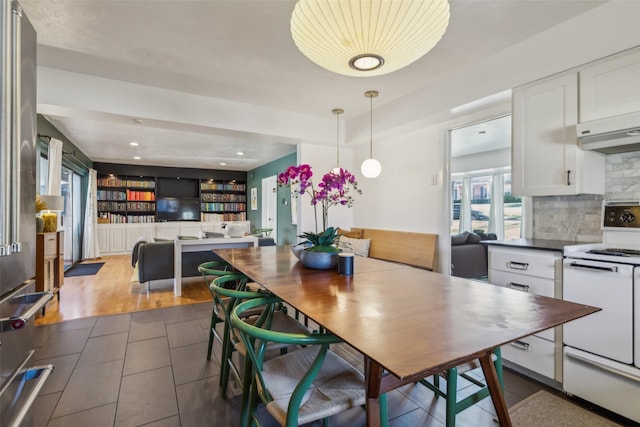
<point>20,381</point>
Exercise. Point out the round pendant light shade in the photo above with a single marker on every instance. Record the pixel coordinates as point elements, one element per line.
<point>371,168</point>
<point>367,37</point>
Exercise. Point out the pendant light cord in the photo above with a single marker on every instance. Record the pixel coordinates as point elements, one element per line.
<point>337,140</point>
<point>371,127</point>
<point>337,112</point>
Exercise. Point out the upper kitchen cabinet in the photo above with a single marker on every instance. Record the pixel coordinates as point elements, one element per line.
<point>546,157</point>
<point>610,87</point>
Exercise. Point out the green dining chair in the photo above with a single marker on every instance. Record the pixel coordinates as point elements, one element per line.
<point>230,290</point>
<point>211,270</point>
<point>455,406</point>
<point>308,384</point>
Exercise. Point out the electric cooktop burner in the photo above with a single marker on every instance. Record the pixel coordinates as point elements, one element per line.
<point>615,252</point>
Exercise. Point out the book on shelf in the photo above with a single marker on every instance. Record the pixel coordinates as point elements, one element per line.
<point>141,195</point>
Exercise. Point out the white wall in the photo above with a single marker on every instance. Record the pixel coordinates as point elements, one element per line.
<point>404,197</point>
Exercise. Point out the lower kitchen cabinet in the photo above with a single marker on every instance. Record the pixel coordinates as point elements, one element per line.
<point>115,239</point>
<point>112,238</point>
<point>538,272</point>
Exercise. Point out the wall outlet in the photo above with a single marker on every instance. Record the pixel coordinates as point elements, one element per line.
<point>434,179</point>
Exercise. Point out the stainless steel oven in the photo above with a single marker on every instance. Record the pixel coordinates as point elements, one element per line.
<point>20,381</point>
<point>602,351</point>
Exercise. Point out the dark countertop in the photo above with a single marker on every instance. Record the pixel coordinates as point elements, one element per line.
<point>543,244</point>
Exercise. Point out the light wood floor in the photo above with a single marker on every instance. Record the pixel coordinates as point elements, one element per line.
<point>110,291</point>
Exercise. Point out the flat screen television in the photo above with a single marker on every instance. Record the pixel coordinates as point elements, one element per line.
<point>175,209</point>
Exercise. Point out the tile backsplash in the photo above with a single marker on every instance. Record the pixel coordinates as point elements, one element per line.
<point>577,218</point>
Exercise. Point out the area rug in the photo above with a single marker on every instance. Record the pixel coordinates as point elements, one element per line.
<point>545,409</point>
<point>84,269</point>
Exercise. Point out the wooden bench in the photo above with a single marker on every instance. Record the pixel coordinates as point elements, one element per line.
<point>416,249</point>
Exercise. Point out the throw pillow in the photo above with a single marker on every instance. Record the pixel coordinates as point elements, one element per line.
<point>187,238</point>
<point>473,239</point>
<point>160,239</point>
<point>211,234</point>
<point>459,239</point>
<point>358,247</point>
<point>351,234</point>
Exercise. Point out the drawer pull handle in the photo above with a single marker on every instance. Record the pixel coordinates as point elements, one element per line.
<point>518,265</point>
<point>35,300</point>
<point>518,286</point>
<point>520,345</point>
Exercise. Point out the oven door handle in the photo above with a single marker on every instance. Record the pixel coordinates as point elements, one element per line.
<point>42,374</point>
<point>38,300</point>
<point>613,269</point>
<point>601,366</point>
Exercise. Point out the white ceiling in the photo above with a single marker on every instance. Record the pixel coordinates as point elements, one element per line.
<point>238,51</point>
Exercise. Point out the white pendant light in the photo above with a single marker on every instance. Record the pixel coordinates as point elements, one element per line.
<point>367,37</point>
<point>337,112</point>
<point>371,168</point>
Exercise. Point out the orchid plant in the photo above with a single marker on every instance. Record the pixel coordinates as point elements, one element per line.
<point>334,189</point>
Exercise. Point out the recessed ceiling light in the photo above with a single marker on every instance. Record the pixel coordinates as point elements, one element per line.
<point>136,157</point>
<point>223,164</point>
<point>240,153</point>
<point>133,143</point>
<point>138,121</point>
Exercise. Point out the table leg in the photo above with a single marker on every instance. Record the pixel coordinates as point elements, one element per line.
<point>177,269</point>
<point>373,377</point>
<point>491,377</point>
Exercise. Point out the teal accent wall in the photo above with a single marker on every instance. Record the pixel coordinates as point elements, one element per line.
<point>286,232</point>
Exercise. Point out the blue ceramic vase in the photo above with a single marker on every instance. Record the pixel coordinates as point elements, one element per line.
<point>319,260</point>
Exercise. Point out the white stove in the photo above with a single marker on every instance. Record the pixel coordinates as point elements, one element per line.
<point>602,350</point>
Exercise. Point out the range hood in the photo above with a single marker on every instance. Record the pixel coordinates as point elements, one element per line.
<point>613,135</point>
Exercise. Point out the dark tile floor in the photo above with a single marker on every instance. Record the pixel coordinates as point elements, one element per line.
<point>150,369</point>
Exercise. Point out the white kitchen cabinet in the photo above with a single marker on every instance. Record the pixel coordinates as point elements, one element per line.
<point>610,87</point>
<point>112,239</point>
<point>120,238</point>
<point>103,238</point>
<point>546,157</point>
<point>538,272</point>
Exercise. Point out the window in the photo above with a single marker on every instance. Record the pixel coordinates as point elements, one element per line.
<point>476,214</point>
<point>481,180</point>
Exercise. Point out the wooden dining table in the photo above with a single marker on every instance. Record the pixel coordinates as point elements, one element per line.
<point>407,322</point>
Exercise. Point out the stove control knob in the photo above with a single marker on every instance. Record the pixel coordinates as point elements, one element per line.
<point>627,217</point>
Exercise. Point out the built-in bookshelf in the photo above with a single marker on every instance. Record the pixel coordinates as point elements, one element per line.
<point>123,199</point>
<point>144,194</point>
<point>222,200</point>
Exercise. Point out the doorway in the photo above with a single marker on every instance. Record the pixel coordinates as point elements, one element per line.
<point>71,189</point>
<point>270,205</point>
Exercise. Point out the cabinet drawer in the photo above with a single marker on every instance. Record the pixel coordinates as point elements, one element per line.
<point>50,245</point>
<point>529,262</point>
<point>532,353</point>
<point>524,283</point>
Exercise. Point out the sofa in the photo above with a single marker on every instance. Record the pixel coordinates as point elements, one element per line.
<point>154,260</point>
<point>468,255</point>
